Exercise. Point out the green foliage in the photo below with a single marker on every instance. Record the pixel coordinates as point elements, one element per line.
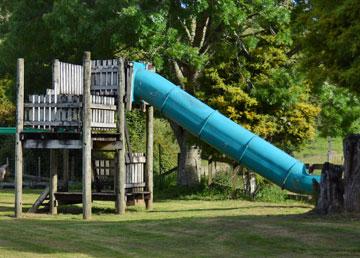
<point>7,108</point>
<point>165,147</point>
<point>199,192</point>
<point>26,35</point>
<point>271,193</point>
<point>329,32</point>
<point>264,93</point>
<point>237,44</point>
<point>137,130</point>
<point>340,111</point>
<point>222,188</point>
<point>163,139</point>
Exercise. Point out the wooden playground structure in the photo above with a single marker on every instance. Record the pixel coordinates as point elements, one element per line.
<point>84,110</point>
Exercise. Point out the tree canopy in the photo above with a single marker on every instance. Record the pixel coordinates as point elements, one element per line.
<point>330,35</point>
<point>232,54</point>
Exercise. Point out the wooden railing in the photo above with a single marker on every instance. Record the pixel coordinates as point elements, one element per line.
<point>61,105</point>
<point>135,170</point>
<point>47,111</point>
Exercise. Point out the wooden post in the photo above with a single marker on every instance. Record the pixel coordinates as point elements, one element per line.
<point>66,170</point>
<point>53,180</point>
<point>234,176</point>
<point>210,170</point>
<point>120,203</point>
<point>149,155</point>
<point>160,167</point>
<point>18,143</point>
<point>86,130</point>
<point>72,166</point>
<point>39,169</point>
<point>329,152</point>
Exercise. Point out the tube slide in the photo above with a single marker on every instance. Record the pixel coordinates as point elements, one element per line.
<point>220,132</point>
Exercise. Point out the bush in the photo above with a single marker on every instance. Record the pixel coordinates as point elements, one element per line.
<point>269,192</point>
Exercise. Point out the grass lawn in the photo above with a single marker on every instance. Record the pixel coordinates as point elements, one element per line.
<point>178,228</point>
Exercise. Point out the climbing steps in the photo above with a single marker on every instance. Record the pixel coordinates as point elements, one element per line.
<point>41,201</point>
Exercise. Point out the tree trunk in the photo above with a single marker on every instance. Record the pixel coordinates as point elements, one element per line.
<point>352,173</point>
<point>249,181</point>
<point>189,161</point>
<point>331,189</point>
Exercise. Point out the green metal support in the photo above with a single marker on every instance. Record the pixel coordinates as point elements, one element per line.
<point>12,130</point>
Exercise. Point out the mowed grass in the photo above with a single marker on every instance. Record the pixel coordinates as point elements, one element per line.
<point>178,228</point>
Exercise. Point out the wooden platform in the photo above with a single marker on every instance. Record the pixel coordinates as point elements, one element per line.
<point>76,197</point>
<point>70,140</point>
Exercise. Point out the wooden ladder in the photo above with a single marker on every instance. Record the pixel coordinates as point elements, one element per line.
<point>41,201</point>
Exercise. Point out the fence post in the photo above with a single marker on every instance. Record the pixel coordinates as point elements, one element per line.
<point>150,155</point>
<point>329,152</point>
<point>18,143</point>
<point>86,149</point>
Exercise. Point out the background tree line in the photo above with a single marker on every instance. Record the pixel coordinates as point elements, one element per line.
<point>272,66</point>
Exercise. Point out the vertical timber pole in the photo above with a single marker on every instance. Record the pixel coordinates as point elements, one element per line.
<point>72,166</point>
<point>149,155</point>
<point>86,131</point>
<point>120,203</point>
<point>66,169</point>
<point>39,169</point>
<point>18,143</point>
<point>53,180</point>
<point>210,171</point>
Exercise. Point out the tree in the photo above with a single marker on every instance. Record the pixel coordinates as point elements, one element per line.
<point>264,92</point>
<point>329,33</point>
<point>184,38</point>
<point>27,36</point>
<point>340,111</point>
<point>331,55</point>
<point>7,108</point>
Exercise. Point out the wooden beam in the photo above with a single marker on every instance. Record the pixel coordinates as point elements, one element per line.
<point>120,171</point>
<point>53,180</point>
<point>86,155</point>
<point>149,155</point>
<point>18,143</point>
<point>52,144</point>
<point>66,170</point>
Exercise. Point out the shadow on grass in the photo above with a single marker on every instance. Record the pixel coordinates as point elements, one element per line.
<point>6,208</point>
<point>228,236</point>
<point>227,209</point>
<point>77,209</point>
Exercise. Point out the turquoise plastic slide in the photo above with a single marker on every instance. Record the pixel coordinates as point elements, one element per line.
<point>220,132</point>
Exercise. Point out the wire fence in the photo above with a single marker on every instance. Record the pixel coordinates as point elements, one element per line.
<point>334,158</point>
